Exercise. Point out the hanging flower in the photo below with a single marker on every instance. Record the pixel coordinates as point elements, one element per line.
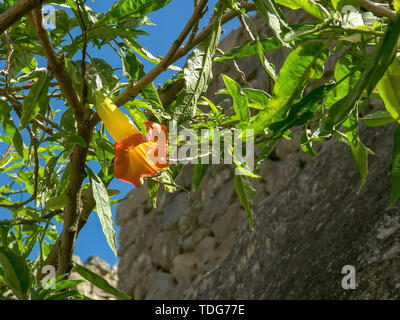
<point>136,156</point>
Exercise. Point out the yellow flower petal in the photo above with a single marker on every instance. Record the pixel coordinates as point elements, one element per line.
<point>117,123</point>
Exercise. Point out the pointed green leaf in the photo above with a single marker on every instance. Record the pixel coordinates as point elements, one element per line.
<point>9,127</point>
<point>312,7</point>
<point>359,151</point>
<point>274,18</point>
<point>245,192</point>
<point>198,73</point>
<point>240,101</point>
<point>17,274</point>
<point>249,49</point>
<point>31,106</point>
<point>299,67</point>
<point>99,282</point>
<point>377,119</point>
<point>395,193</point>
<point>126,9</point>
<point>199,172</point>
<point>103,209</point>
<point>389,89</point>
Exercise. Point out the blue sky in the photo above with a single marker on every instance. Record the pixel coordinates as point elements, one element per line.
<point>169,22</point>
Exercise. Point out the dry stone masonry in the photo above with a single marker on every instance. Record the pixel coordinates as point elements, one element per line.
<point>309,221</point>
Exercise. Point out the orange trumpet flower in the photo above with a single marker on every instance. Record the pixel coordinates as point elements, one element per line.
<point>136,156</point>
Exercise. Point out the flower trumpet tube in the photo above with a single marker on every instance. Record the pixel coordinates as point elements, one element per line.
<point>117,123</point>
<point>136,156</point>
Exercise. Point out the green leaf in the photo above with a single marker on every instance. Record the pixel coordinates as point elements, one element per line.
<point>19,60</point>
<point>245,192</point>
<point>103,209</point>
<point>395,193</point>
<point>303,110</point>
<point>139,117</point>
<point>66,294</point>
<point>339,4</point>
<point>9,127</point>
<point>259,97</point>
<point>166,179</point>
<point>198,73</point>
<point>265,152</point>
<point>377,119</point>
<point>152,188</point>
<point>144,53</point>
<point>359,151</point>
<point>249,49</point>
<point>375,67</point>
<point>199,172</point>
<point>17,274</point>
<point>312,7</point>
<point>240,101</point>
<point>389,89</point>
<point>110,80</point>
<point>150,95</point>
<point>127,9</point>
<point>31,105</point>
<point>274,18</point>
<point>104,151</point>
<point>55,203</point>
<point>298,68</point>
<point>99,282</point>
<point>347,75</point>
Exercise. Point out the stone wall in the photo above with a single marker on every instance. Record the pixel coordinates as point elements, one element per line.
<point>198,245</point>
<point>316,225</point>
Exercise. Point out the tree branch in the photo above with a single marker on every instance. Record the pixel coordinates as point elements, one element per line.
<point>56,63</point>
<point>377,10</point>
<point>16,222</point>
<point>8,57</point>
<point>133,90</point>
<point>16,12</point>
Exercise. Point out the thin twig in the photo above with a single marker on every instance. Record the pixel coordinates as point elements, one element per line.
<point>84,48</point>
<point>238,70</point>
<point>8,57</point>
<point>15,222</point>
<point>246,28</point>
<point>6,153</point>
<point>17,106</point>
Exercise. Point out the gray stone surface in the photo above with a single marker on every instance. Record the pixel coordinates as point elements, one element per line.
<point>315,226</point>
<point>309,221</point>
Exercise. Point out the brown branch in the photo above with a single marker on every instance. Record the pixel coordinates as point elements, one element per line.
<point>17,106</point>
<point>73,206</point>
<point>8,57</point>
<point>89,204</point>
<point>377,9</point>
<point>16,12</point>
<point>84,48</point>
<point>56,63</point>
<point>133,90</point>
<point>16,222</point>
